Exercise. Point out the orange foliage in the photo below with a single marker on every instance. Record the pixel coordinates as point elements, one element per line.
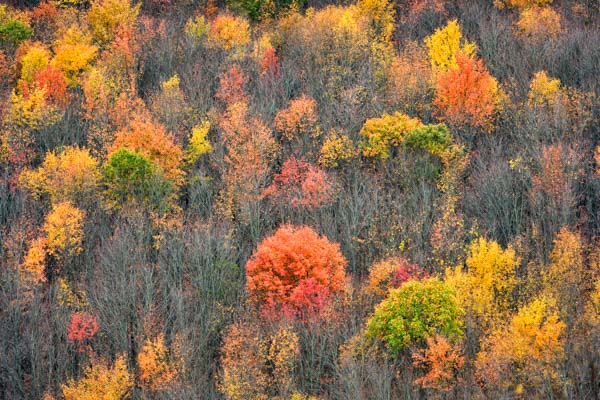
<point>269,64</point>
<point>442,363</point>
<point>298,119</point>
<point>156,369</point>
<point>151,140</point>
<point>33,267</point>
<point>301,185</point>
<point>295,272</point>
<point>467,94</point>
<point>250,148</point>
<point>54,84</point>
<point>231,85</point>
<point>539,23</point>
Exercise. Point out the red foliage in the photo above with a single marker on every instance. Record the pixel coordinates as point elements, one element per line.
<point>44,17</point>
<point>301,185</point>
<point>467,94</point>
<point>269,65</point>
<point>82,327</point>
<point>231,85</point>
<point>405,272</point>
<point>55,83</point>
<point>295,272</point>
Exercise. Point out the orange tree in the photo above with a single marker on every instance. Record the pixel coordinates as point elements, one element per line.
<point>295,271</point>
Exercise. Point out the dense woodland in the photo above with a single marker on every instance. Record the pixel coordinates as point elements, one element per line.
<point>290,199</point>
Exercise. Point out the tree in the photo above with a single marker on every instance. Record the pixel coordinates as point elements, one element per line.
<point>101,382</point>
<point>539,24</point>
<point>34,60</point>
<point>69,175</point>
<point>299,119</point>
<point>132,177</point>
<point>106,16</point>
<point>467,94</point>
<point>485,290</point>
<point>295,271</point>
<point>525,356</point>
<point>434,139</point>
<point>64,230</point>
<point>442,361</point>
<point>74,54</point>
<point>82,327</point>
<point>415,311</point>
<point>544,91</point>
<point>300,184</point>
<point>229,33</point>
<point>337,149</point>
<point>157,369</point>
<point>199,143</point>
<point>389,274</point>
<point>382,134</point>
<point>445,44</point>
<point>153,142</point>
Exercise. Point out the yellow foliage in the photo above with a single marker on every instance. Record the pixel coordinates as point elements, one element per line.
<point>70,175</point>
<point>34,263</point>
<point>336,148</point>
<point>66,297</point>
<point>30,110</point>
<point>380,277</point>
<point>486,287</point>
<point>197,28</point>
<point>382,134</point>
<point>106,16</point>
<point>544,90</point>
<point>284,352</point>
<point>523,4</point>
<point>566,273</point>
<point>74,54</point>
<point>539,23</point>
<point>381,14</point>
<point>229,33</point>
<point>199,143</point>
<point>528,351</point>
<point>156,369</point>
<point>101,382</point>
<point>35,59</point>
<point>64,230</point>
<point>444,44</point>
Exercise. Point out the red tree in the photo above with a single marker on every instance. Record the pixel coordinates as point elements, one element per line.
<point>82,327</point>
<point>295,272</point>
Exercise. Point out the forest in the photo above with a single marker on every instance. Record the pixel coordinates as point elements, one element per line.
<point>299,199</point>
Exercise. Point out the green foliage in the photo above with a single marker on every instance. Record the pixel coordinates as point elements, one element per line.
<point>415,311</point>
<point>14,32</point>
<point>434,139</point>
<point>130,176</point>
<point>381,134</point>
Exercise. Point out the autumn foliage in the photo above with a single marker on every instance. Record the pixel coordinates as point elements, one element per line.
<point>467,94</point>
<point>295,271</point>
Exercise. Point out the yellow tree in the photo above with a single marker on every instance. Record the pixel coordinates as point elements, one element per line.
<point>525,355</point>
<point>101,382</point>
<point>485,289</point>
<point>64,230</point>
<point>444,45</point>
<point>106,16</point>
<point>74,54</point>
<point>70,175</point>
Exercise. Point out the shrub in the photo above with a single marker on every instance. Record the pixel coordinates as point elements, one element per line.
<point>298,119</point>
<point>295,271</point>
<point>415,311</point>
<point>82,327</point>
